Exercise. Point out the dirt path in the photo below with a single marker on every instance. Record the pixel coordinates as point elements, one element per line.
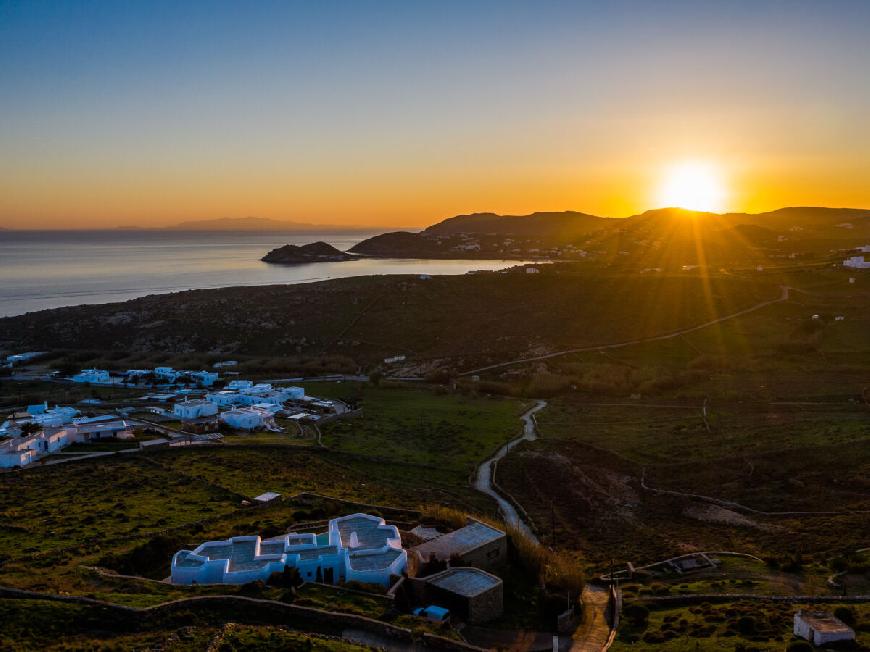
<point>483,481</point>
<point>618,345</point>
<point>594,630</point>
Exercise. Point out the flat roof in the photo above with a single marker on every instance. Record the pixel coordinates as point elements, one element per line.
<point>314,553</point>
<point>822,621</point>
<point>460,541</point>
<point>466,582</point>
<point>369,531</point>
<point>376,561</point>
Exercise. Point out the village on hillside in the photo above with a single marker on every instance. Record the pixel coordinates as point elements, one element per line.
<point>180,408</point>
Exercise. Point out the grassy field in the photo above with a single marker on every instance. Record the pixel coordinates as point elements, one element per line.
<point>584,475</point>
<point>773,412</point>
<point>344,323</point>
<point>450,432</point>
<point>46,625</point>
<point>130,512</point>
<point>729,626</point>
<point>23,393</point>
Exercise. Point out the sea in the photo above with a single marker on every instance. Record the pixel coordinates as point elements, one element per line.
<point>50,269</point>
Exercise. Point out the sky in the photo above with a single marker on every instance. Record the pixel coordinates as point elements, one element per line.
<point>403,113</point>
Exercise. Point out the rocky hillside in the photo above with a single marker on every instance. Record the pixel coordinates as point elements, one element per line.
<point>666,238</point>
<point>316,252</point>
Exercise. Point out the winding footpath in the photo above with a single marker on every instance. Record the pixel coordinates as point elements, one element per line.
<point>667,336</point>
<point>483,481</point>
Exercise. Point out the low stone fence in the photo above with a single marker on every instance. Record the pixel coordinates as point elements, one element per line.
<point>252,611</point>
<point>698,598</point>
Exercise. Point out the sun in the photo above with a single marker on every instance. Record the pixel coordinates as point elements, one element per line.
<point>693,185</point>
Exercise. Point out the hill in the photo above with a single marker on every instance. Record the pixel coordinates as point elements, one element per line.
<point>566,224</point>
<point>260,224</point>
<point>457,321</point>
<point>316,252</point>
<point>667,238</point>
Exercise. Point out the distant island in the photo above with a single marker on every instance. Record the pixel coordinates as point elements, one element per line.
<point>316,252</point>
<point>266,224</point>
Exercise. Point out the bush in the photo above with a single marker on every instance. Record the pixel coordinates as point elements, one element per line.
<point>150,559</point>
<point>637,614</point>
<point>746,625</point>
<point>846,614</point>
<point>799,646</point>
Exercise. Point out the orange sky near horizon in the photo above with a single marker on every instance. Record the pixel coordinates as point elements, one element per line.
<point>399,115</point>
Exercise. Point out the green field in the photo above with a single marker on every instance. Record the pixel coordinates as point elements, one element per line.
<point>728,626</point>
<point>449,432</point>
<point>46,625</point>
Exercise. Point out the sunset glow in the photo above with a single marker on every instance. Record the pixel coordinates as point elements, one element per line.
<point>401,114</point>
<point>693,185</point>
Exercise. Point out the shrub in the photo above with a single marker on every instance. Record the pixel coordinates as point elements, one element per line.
<point>846,614</point>
<point>636,614</point>
<point>799,646</point>
<point>746,625</point>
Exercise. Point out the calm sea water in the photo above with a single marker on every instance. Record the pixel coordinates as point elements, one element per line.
<point>40,270</point>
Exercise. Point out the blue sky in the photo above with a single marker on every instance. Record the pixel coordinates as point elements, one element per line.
<point>398,112</point>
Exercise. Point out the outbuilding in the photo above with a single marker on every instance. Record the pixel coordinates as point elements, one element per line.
<point>477,544</point>
<point>471,594</point>
<point>821,627</point>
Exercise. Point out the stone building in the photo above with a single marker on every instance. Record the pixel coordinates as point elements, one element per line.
<point>471,594</point>
<point>477,544</point>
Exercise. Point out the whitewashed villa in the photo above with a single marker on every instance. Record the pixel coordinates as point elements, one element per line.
<point>93,377</point>
<point>856,262</point>
<point>223,398</point>
<point>194,409</point>
<point>244,418</point>
<point>358,547</point>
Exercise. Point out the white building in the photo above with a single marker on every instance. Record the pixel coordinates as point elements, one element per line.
<point>38,408</point>
<point>224,397</point>
<point>194,409</point>
<point>856,262</point>
<point>21,451</point>
<point>18,358</point>
<point>203,378</point>
<point>293,393</point>
<point>225,363</point>
<point>239,384</point>
<point>93,376</point>
<point>243,418</point>
<point>165,374</point>
<point>94,430</point>
<point>56,416</point>
<point>265,398</point>
<point>358,547</point>
<point>821,628</point>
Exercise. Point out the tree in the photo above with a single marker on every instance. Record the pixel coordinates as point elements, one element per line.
<point>30,428</point>
<point>846,614</point>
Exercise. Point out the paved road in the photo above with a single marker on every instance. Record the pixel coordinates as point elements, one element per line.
<point>483,481</point>
<point>618,345</point>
